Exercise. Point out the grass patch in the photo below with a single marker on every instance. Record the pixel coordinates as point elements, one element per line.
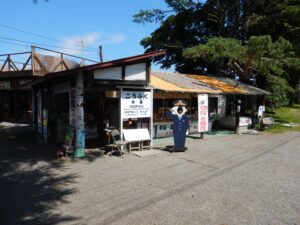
<point>286,115</point>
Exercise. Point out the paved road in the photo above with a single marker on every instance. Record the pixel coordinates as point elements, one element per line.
<point>245,179</point>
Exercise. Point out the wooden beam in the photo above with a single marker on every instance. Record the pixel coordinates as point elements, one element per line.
<point>39,62</point>
<point>4,64</point>
<point>58,64</point>
<point>63,61</point>
<point>26,63</point>
<point>14,65</point>
<point>18,53</point>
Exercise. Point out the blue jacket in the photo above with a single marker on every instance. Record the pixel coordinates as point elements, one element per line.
<point>179,125</point>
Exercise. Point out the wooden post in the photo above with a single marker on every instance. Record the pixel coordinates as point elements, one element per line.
<point>121,115</point>
<point>237,114</point>
<point>151,119</point>
<point>33,59</point>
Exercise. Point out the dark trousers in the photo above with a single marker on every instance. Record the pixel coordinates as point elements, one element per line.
<point>179,139</point>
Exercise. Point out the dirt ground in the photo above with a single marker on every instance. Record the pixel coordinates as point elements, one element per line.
<point>234,179</point>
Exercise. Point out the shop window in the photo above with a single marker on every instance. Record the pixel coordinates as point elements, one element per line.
<point>213,105</point>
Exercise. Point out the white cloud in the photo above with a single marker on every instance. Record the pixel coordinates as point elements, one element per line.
<point>80,45</point>
<point>114,38</point>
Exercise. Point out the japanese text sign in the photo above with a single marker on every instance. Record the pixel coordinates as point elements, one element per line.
<point>202,112</point>
<point>136,104</point>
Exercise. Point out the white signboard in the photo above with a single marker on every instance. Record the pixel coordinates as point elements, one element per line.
<point>109,74</point>
<point>202,112</point>
<point>135,72</point>
<point>245,121</point>
<point>136,104</point>
<point>136,134</point>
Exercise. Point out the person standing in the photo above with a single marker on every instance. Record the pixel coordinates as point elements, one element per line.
<point>261,114</point>
<point>180,126</point>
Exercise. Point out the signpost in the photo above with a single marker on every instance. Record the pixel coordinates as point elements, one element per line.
<point>136,104</point>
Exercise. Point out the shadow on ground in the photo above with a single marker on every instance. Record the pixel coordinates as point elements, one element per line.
<point>30,185</point>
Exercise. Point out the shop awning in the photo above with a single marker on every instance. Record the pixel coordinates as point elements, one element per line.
<point>161,84</point>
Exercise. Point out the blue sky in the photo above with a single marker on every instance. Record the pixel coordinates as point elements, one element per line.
<point>69,22</point>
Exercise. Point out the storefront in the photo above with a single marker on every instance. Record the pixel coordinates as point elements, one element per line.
<point>83,104</point>
<point>222,95</point>
<point>169,87</point>
<point>80,106</point>
<point>15,98</point>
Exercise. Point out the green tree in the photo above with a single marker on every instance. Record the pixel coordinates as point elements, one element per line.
<point>250,37</point>
<point>180,27</point>
<point>271,61</point>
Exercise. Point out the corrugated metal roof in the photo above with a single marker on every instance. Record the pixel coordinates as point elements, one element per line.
<point>183,81</point>
<point>251,90</point>
<point>203,84</point>
<point>223,86</point>
<point>161,84</point>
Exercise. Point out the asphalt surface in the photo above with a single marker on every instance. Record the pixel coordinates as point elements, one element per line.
<point>235,179</point>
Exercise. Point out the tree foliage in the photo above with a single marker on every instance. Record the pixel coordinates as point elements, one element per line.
<point>251,38</point>
<point>270,60</point>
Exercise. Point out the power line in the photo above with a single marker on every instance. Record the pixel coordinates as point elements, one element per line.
<point>39,44</point>
<point>39,35</point>
<point>27,32</point>
<point>28,46</point>
<point>6,42</point>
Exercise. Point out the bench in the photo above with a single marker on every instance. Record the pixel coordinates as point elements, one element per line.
<point>268,122</point>
<point>138,139</point>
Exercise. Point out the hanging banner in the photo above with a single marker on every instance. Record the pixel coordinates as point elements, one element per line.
<point>136,104</point>
<point>202,113</point>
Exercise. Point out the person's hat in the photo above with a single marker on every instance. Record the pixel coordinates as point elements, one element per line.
<point>179,103</point>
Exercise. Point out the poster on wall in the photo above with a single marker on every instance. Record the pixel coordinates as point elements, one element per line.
<point>72,107</point>
<point>202,113</point>
<point>45,124</point>
<point>136,104</point>
<point>39,112</point>
<point>79,121</point>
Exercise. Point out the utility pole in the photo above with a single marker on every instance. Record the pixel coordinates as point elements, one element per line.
<point>100,54</point>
